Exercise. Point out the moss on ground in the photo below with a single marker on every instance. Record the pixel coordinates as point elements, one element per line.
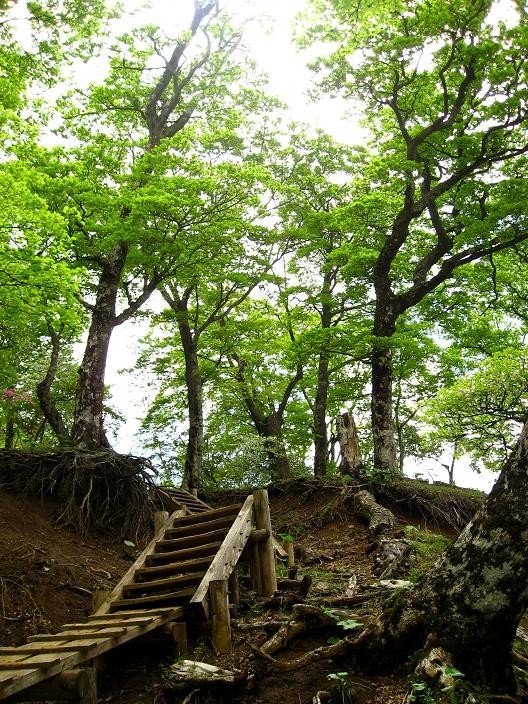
<point>427,548</point>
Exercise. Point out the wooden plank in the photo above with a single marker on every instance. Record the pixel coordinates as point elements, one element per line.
<point>191,541</point>
<point>175,555</point>
<point>229,553</point>
<point>125,623</point>
<point>26,663</point>
<point>174,568</point>
<point>38,647</point>
<point>128,577</point>
<point>181,594</point>
<point>197,528</point>
<point>77,635</point>
<point>171,612</point>
<point>160,584</point>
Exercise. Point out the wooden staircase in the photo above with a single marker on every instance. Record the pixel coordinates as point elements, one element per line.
<point>174,564</point>
<point>186,566</point>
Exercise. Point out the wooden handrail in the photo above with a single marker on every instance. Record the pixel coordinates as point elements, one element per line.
<point>228,553</point>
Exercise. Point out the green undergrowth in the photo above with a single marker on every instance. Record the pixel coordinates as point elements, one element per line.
<point>427,548</point>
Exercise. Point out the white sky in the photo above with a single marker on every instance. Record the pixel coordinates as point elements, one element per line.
<point>290,81</point>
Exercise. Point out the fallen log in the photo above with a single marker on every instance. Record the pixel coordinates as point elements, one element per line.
<point>379,519</point>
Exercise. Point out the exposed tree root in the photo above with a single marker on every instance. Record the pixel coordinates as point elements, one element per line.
<point>325,652</point>
<point>96,490</point>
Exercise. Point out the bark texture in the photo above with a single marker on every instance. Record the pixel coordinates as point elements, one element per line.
<point>351,458</point>
<point>471,602</point>
<point>47,404</point>
<point>319,416</point>
<point>88,432</point>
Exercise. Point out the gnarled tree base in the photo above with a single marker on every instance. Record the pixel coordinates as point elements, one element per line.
<point>96,490</point>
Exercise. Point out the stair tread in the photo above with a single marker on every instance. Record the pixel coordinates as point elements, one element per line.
<point>171,596</point>
<point>164,583</point>
<point>189,552</point>
<point>198,528</point>
<point>208,514</point>
<point>174,568</point>
<point>175,543</point>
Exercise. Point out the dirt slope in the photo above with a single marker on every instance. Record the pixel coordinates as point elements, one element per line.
<point>47,574</point>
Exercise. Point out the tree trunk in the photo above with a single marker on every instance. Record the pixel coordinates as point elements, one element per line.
<point>471,601</point>
<point>271,431</point>
<point>351,459</point>
<point>47,404</point>
<point>319,416</point>
<point>323,381</point>
<point>192,475</point>
<point>9,441</point>
<point>88,429</point>
<point>385,456</point>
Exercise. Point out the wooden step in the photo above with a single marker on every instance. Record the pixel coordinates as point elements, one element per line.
<point>198,528</point>
<point>158,558</point>
<point>209,514</point>
<point>12,664</point>
<point>156,599</point>
<point>91,635</point>
<point>169,611</point>
<point>191,541</point>
<point>161,584</point>
<point>109,623</point>
<point>173,568</point>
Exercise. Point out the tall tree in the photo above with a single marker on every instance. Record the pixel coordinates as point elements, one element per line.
<point>134,189</point>
<point>443,92</point>
<point>315,172</point>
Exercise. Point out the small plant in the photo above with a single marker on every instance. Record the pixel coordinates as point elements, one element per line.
<point>338,676</point>
<point>422,693</point>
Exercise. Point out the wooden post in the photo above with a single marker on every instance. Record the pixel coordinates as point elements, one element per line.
<point>220,619</point>
<point>234,593</point>
<point>177,632</point>
<point>234,588</point>
<point>78,686</point>
<point>254,568</point>
<point>264,548</point>
<point>90,696</point>
<point>288,546</point>
<point>160,518</point>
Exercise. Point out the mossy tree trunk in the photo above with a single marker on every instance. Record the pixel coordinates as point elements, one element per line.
<point>471,602</point>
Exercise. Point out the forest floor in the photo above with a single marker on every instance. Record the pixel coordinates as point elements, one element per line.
<point>47,575</point>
